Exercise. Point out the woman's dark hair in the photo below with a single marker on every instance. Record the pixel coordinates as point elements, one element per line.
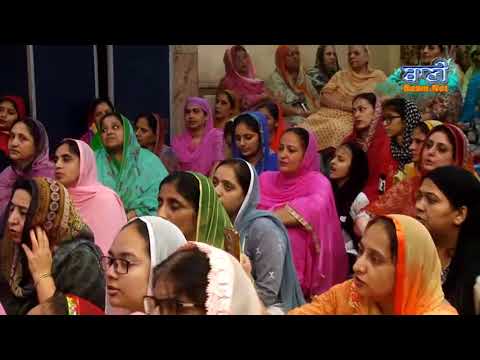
<point>271,107</point>
<point>187,270</point>
<point>249,121</point>
<point>116,115</point>
<point>229,96</point>
<point>357,179</point>
<point>302,134</point>
<point>397,105</point>
<point>72,146</point>
<point>99,101</point>
<point>423,127</point>
<point>34,130</point>
<point>448,133</point>
<point>228,130</point>
<point>389,226</point>
<point>242,172</point>
<point>186,185</point>
<point>320,60</point>
<point>461,188</point>
<point>57,304</point>
<point>151,120</point>
<point>370,97</point>
<point>142,229</point>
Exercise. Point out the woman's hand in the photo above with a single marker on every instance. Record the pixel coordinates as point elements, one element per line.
<point>246,264</point>
<point>40,256</point>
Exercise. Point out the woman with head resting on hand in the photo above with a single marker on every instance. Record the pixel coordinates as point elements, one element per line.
<point>45,248</point>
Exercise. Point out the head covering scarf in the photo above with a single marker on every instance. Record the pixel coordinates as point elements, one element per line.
<point>137,178</point>
<point>300,86</point>
<point>164,239</point>
<point>230,291</point>
<point>96,202</point>
<point>401,152</point>
<point>18,103</point>
<point>199,158</point>
<point>41,166</point>
<point>377,145</point>
<point>417,289</point>
<point>269,159</point>
<point>248,88</point>
<point>78,306</point>
<point>472,100</point>
<point>461,189</point>
<point>321,260</point>
<point>212,219</point>
<point>52,209</point>
<point>401,197</point>
<point>290,290</point>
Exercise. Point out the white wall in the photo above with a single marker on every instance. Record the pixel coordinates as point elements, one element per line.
<point>211,68</point>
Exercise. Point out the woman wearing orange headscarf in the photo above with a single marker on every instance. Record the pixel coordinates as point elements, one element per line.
<point>398,272</point>
<point>290,85</point>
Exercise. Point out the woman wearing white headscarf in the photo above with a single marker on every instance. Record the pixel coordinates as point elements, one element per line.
<point>141,245</point>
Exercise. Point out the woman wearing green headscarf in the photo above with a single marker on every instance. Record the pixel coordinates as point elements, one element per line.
<point>132,172</point>
<point>189,200</point>
<point>474,68</point>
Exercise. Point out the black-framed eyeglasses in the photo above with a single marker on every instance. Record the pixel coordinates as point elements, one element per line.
<point>154,306</point>
<point>389,120</point>
<point>120,266</point>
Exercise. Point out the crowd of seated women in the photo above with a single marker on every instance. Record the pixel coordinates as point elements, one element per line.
<point>315,191</point>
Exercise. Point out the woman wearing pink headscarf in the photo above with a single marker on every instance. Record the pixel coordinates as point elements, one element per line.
<point>240,76</point>
<point>99,206</point>
<point>303,199</point>
<point>200,147</point>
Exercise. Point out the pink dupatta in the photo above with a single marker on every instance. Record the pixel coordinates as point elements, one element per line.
<point>99,206</point>
<point>248,88</point>
<point>210,150</point>
<point>318,248</point>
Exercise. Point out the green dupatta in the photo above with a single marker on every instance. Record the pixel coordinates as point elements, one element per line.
<point>212,217</point>
<point>136,178</point>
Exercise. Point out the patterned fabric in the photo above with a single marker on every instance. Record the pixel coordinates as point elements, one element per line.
<point>52,209</point>
<point>212,219</point>
<point>401,152</point>
<point>417,289</point>
<point>137,178</point>
<point>331,126</point>
<point>319,75</point>
<point>229,289</point>
<point>79,306</point>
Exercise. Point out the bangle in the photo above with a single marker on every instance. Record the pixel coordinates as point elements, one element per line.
<point>43,276</point>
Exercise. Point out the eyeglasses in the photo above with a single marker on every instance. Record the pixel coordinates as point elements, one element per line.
<point>120,266</point>
<point>154,306</point>
<point>389,120</point>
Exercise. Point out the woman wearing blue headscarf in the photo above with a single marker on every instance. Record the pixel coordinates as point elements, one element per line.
<point>251,141</point>
<point>263,237</point>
